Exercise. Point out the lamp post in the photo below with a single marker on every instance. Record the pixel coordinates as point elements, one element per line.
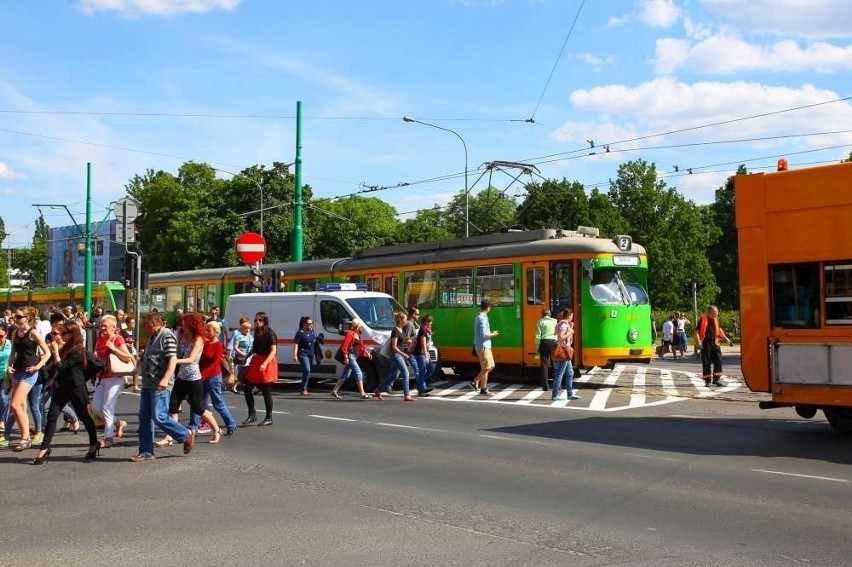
<point>466,196</point>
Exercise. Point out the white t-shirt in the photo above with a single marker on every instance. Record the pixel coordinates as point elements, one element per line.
<point>668,330</point>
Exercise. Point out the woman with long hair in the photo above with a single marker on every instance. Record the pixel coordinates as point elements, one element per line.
<point>263,368</point>
<point>25,365</point>
<point>399,358</point>
<point>70,358</point>
<point>188,384</point>
<point>110,386</point>
<point>420,353</point>
<point>564,368</point>
<point>210,366</point>
<point>352,348</point>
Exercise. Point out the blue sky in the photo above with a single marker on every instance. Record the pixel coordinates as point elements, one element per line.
<point>111,81</point>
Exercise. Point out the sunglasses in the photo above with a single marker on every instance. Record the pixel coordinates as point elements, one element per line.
<point>20,316</point>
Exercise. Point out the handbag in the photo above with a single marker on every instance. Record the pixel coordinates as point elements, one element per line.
<point>118,367</point>
<point>561,352</point>
<point>339,356</point>
<point>228,376</point>
<point>240,359</point>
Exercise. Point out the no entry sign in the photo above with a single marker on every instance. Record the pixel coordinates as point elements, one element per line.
<point>251,247</point>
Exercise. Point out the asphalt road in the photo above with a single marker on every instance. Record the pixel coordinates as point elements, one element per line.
<point>450,480</point>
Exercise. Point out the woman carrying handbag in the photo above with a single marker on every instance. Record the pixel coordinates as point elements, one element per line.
<point>563,353</point>
<point>111,349</point>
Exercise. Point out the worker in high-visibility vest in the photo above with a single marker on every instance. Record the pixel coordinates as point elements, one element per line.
<point>707,334</point>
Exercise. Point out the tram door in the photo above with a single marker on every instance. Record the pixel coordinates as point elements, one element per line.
<point>563,293</point>
<point>536,297</point>
<point>195,297</point>
<point>384,282</point>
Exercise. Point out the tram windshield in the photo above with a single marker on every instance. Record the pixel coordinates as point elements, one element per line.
<point>376,312</point>
<point>617,287</point>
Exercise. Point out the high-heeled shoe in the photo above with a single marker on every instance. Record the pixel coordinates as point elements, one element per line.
<point>40,460</point>
<point>94,451</point>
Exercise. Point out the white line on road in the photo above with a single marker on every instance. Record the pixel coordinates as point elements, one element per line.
<point>637,398</point>
<point>598,403</point>
<point>401,426</point>
<point>504,393</point>
<point>800,475</point>
<point>531,397</point>
<point>331,417</point>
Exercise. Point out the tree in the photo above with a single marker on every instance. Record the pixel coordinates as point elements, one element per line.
<point>33,260</point>
<point>604,216</point>
<point>672,229</point>
<point>723,253</point>
<point>488,211</point>
<point>427,226</point>
<point>554,204</point>
<point>346,226</point>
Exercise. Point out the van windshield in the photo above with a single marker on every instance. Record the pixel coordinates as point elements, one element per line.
<point>377,313</point>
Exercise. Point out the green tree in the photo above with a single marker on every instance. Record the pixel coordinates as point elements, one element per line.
<point>604,216</point>
<point>723,253</point>
<point>671,228</point>
<point>488,211</point>
<point>346,226</point>
<point>554,204</point>
<point>33,260</point>
<point>427,226</point>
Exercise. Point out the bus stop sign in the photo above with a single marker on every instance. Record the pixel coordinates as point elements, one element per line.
<point>251,247</point>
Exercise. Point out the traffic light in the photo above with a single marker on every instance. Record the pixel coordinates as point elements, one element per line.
<point>129,270</point>
<point>257,283</point>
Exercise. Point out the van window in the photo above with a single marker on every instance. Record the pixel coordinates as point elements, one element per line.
<point>332,314</point>
<point>376,312</point>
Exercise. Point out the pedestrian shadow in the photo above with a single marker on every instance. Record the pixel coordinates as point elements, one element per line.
<point>770,438</point>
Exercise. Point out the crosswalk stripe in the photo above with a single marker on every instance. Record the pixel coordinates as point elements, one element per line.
<point>505,392</point>
<point>531,397</point>
<point>451,390</point>
<point>602,395</point>
<point>637,398</point>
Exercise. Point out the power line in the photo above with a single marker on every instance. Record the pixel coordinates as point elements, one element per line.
<point>558,57</point>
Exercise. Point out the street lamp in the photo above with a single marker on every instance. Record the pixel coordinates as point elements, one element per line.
<point>466,197</point>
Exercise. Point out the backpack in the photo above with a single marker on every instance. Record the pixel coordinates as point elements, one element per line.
<point>92,366</point>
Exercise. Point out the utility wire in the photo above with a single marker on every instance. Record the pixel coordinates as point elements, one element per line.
<point>556,63</point>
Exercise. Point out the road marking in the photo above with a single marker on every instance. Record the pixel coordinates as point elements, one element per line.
<point>637,398</point>
<point>401,426</point>
<point>598,403</point>
<point>531,397</point>
<point>452,389</point>
<point>331,417</point>
<point>800,475</point>
<point>505,392</point>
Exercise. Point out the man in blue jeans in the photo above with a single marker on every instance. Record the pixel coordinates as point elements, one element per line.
<point>158,369</point>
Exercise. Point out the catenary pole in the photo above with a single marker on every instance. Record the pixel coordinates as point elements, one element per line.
<point>297,240</point>
<point>87,267</point>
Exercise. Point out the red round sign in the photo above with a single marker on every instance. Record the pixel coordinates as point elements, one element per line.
<point>251,247</point>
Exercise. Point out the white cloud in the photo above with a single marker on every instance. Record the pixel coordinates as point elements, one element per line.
<point>6,172</point>
<point>594,61</point>
<point>154,7</point>
<point>724,53</point>
<point>813,19</point>
<point>659,13</point>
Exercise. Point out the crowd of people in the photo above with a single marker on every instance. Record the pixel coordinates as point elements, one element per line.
<point>47,370</point>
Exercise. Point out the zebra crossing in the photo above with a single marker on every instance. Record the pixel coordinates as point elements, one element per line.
<point>601,390</point>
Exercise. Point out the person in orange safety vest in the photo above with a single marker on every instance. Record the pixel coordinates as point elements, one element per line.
<point>707,334</point>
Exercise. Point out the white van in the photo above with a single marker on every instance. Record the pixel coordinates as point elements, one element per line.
<point>332,309</point>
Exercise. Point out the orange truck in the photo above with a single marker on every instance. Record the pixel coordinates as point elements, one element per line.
<point>795,258</point>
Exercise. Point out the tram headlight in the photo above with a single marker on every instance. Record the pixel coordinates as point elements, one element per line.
<point>633,335</point>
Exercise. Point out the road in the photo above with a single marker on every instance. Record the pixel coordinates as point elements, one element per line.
<point>453,480</point>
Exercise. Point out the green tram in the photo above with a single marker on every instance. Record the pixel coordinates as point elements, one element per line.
<point>109,295</point>
<point>604,280</point>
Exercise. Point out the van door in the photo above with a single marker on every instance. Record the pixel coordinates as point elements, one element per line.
<point>536,282</point>
<point>332,321</point>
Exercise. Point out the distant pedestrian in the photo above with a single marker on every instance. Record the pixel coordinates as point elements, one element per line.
<point>668,336</point>
<point>707,334</point>
<point>680,339</point>
<point>304,344</point>
<point>352,348</point>
<point>545,338</point>
<point>263,368</point>
<point>564,368</point>
<point>420,354</point>
<point>482,335</point>
<point>241,342</point>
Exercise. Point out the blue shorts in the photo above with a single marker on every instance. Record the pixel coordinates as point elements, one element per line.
<point>23,376</point>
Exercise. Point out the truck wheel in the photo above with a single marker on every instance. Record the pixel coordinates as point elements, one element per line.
<point>840,419</point>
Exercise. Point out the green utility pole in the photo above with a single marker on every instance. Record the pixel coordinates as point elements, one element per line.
<point>297,242</point>
<point>87,267</point>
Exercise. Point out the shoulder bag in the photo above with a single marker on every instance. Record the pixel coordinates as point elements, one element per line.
<point>118,367</point>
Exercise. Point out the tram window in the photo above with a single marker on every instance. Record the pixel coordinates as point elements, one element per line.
<point>838,293</point>
<point>190,298</point>
<point>605,288</point>
<point>497,283</point>
<point>352,279</point>
<point>635,291</point>
<point>420,289</point>
<point>174,297</point>
<point>795,295</point>
<point>157,299</point>
<point>561,285</point>
<point>374,284</point>
<point>456,287</point>
<point>307,285</point>
<point>535,286</point>
<point>392,287</point>
<point>333,315</point>
<point>211,295</point>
